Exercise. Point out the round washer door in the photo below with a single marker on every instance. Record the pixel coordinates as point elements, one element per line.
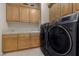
<point>59,40</point>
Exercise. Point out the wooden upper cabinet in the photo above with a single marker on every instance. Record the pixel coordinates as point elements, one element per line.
<point>66,8</point>
<point>34,15</point>
<point>57,11</point>
<point>75,7</point>
<point>12,13</point>
<point>9,42</point>
<point>51,13</point>
<point>60,9</point>
<point>24,14</point>
<point>54,12</point>
<point>19,13</point>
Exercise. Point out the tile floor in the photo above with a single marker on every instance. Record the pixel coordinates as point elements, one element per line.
<point>29,52</point>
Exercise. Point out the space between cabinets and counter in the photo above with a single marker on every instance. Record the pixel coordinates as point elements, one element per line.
<point>23,31</point>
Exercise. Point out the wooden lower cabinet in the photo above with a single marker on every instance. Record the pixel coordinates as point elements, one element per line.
<point>12,42</point>
<point>23,41</point>
<point>9,43</point>
<point>35,41</point>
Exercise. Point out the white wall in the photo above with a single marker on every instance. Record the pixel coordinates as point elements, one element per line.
<point>44,13</point>
<point>14,27</point>
<point>3,24</point>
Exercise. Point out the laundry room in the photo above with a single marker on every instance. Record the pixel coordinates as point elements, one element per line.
<point>39,29</point>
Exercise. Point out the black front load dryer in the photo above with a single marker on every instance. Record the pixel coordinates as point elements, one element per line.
<point>63,37</point>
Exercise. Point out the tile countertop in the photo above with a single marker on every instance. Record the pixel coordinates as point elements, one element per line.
<point>17,32</point>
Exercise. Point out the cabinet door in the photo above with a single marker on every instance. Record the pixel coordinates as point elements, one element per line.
<point>34,15</point>
<point>35,41</point>
<point>57,11</point>
<point>51,14</point>
<point>23,41</point>
<point>24,14</point>
<point>9,43</point>
<point>54,12</point>
<point>12,13</point>
<point>75,7</point>
<point>66,8</point>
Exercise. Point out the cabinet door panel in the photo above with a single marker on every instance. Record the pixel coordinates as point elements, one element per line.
<point>34,15</point>
<point>54,12</point>
<point>66,8</point>
<point>12,13</point>
<point>75,7</point>
<point>9,43</point>
<point>16,14</point>
<point>24,41</point>
<point>57,11</point>
<point>24,14</point>
<point>35,41</point>
<point>9,13</point>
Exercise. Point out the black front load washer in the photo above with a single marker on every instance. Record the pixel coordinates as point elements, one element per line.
<point>63,37</point>
<point>43,37</point>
